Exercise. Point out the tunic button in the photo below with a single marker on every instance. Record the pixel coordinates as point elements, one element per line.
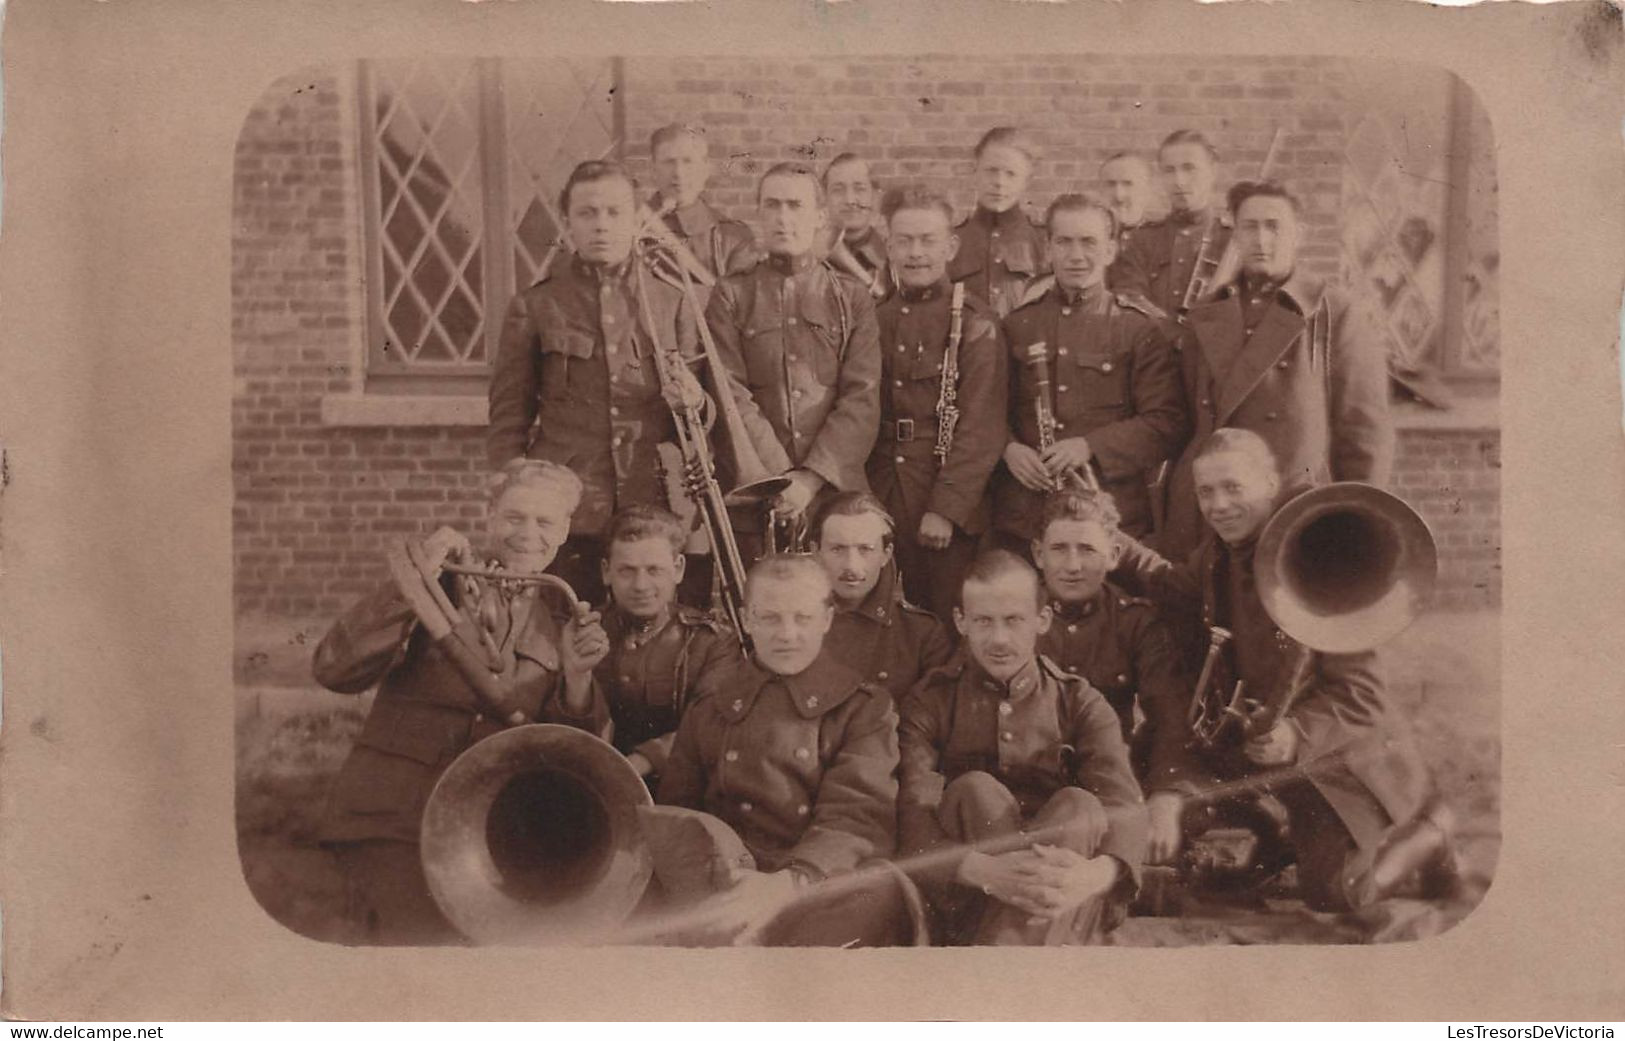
<point>792,357</point>
<point>732,756</point>
<point>747,807</point>
<point>1066,310</point>
<point>609,319</point>
<point>1006,736</point>
<point>614,410</point>
<point>812,702</point>
<point>739,703</point>
<point>796,394</point>
<point>1270,415</point>
<point>1281,364</point>
<point>1061,352</point>
<point>803,753</point>
<point>1072,628</point>
<point>1122,677</point>
<point>1061,388</point>
<point>899,459</point>
<point>790,321</point>
<point>898,382</point>
<point>901,349</point>
<point>905,310</point>
<point>995,234</point>
<point>625,678</point>
<point>801,811</point>
<point>882,674</point>
<point>1106,367</point>
<point>1004,708</point>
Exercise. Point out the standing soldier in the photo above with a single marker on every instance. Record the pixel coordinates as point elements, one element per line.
<point>1118,403</point>
<point>1001,251</point>
<point>856,245</point>
<point>1299,364</point>
<point>1162,257</point>
<point>681,159</point>
<point>802,351</point>
<point>659,650</point>
<point>1125,179</point>
<point>943,399</point>
<point>888,640</point>
<point>575,380</point>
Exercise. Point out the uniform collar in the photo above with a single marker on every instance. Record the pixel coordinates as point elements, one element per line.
<point>1086,609</point>
<point>600,273</point>
<point>1009,219</point>
<point>1019,686</point>
<point>1189,218</point>
<point>638,630</point>
<point>1299,292</point>
<point>790,265</point>
<point>1090,299</point>
<point>917,295</point>
<point>817,689</point>
<point>694,219</point>
<point>881,603</point>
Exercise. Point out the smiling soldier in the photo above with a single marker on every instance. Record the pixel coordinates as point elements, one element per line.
<point>853,196</point>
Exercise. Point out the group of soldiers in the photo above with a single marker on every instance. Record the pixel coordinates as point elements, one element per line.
<point>1021,467</point>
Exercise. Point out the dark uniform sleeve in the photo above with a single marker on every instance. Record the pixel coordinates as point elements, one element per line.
<point>980,437</point>
<point>1103,769</point>
<point>1133,277</point>
<point>682,779</point>
<point>516,380</point>
<point>1175,587</point>
<point>723,319</point>
<point>1161,421</point>
<point>854,816</point>
<point>847,435</point>
<point>1165,693</point>
<point>364,642</point>
<point>1362,434</point>
<point>921,729</point>
<point>708,650</point>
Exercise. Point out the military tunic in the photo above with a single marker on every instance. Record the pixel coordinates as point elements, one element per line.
<point>726,247</point>
<point>1159,260</point>
<point>1118,272</point>
<point>1114,380</point>
<point>652,670</point>
<point>888,640</point>
<point>999,255</point>
<point>903,470</point>
<point>801,767</point>
<point>802,352</point>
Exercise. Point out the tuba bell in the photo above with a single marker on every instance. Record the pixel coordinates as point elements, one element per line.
<point>532,837</point>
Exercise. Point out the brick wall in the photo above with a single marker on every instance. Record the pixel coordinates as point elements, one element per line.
<point>314,503</point>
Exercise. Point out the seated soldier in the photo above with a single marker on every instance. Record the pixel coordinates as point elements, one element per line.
<point>1113,640</point>
<point>888,640</point>
<point>658,648</point>
<point>1004,751</point>
<point>428,711</point>
<point>793,754</point>
<point>1352,772</point>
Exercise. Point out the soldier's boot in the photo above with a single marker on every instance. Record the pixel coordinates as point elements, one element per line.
<point>1422,849</point>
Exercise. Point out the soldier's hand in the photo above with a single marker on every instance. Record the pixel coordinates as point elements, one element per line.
<point>1027,467</point>
<point>1276,747</point>
<point>446,544</point>
<point>1072,453</point>
<point>936,531</point>
<point>794,500</point>
<point>640,763</point>
<point>683,390</point>
<point>1067,878</point>
<point>1006,877</point>
<point>1164,839</point>
<point>585,642</point>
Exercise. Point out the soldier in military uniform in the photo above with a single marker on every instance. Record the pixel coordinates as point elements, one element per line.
<point>1113,640</point>
<point>427,712</point>
<point>888,640</point>
<point>1300,364</point>
<point>1118,400</point>
<point>1001,250</point>
<point>575,380</point>
<point>1159,262</point>
<point>1360,774</point>
<point>940,501</point>
<point>795,754</point>
<point>658,649</point>
<point>802,352</point>
<point>853,198</point>
<point>1003,750</point>
<point>1125,180</point>
<point>681,158</point>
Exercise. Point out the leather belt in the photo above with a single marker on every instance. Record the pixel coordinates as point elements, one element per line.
<point>901,429</point>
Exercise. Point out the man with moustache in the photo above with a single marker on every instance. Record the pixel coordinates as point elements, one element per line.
<point>1301,365</point>
<point>658,649</point>
<point>853,194</point>
<point>1360,774</point>
<point>681,159</point>
<point>1115,387</point>
<point>427,711</point>
<point>1001,251</point>
<point>888,640</point>
<point>1125,180</point>
<point>1004,751</point>
<point>1158,263</point>
<point>575,380</point>
<point>801,349</point>
<point>1113,640</point>
<point>792,756</point>
<point>939,500</point>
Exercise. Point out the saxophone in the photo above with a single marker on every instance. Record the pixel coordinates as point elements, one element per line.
<point>948,395</point>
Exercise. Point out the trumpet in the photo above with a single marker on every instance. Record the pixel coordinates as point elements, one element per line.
<point>1082,478</point>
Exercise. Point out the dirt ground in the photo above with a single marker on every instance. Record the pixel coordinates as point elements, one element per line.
<point>1444,672</point>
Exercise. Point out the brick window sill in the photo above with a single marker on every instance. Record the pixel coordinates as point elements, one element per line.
<point>404,410</point>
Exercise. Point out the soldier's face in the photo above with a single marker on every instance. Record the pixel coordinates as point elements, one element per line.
<point>602,220</point>
<point>791,215</point>
<point>643,575</point>
<point>920,243</point>
<point>1187,171</point>
<point>1001,621</point>
<point>1002,173</point>
<point>851,195</point>
<point>1074,557</point>
<point>681,168</point>
<point>1127,184</point>
<point>1267,237</point>
<point>787,619</point>
<point>1236,494</point>
<point>526,527</point>
<point>1081,247</point>
<point>854,553</point>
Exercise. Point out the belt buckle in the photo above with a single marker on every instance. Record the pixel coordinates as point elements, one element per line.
<point>905,430</point>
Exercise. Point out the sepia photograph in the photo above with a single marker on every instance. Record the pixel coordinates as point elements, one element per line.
<point>901,500</point>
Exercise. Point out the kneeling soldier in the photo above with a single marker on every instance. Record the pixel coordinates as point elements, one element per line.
<point>1006,752</point>
<point>658,649</point>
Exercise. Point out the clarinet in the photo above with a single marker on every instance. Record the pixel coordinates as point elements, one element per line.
<point>948,395</point>
<point>1037,359</point>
